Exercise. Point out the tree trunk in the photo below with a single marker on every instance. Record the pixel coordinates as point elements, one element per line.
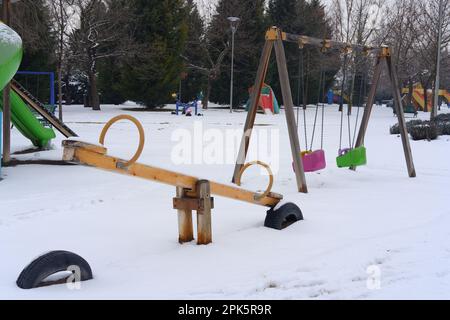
<point>93,92</point>
<point>67,93</point>
<point>205,101</point>
<point>60,94</point>
<point>86,100</point>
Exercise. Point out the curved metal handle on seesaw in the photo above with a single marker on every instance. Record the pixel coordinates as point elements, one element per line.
<point>141,138</point>
<point>258,196</point>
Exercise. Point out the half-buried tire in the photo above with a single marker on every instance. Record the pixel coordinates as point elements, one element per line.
<point>51,263</point>
<point>283,217</point>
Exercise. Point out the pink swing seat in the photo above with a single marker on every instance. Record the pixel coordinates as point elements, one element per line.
<point>313,161</point>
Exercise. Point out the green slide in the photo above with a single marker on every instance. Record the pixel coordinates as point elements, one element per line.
<point>21,116</point>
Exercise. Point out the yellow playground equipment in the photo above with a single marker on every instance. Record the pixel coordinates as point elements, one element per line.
<point>418,97</point>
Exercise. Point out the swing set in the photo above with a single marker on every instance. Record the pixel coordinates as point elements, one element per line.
<point>310,160</point>
<point>314,160</point>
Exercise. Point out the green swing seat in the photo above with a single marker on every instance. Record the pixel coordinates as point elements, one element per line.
<point>352,158</point>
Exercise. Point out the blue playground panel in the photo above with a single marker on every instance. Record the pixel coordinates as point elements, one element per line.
<point>183,107</point>
<point>52,82</point>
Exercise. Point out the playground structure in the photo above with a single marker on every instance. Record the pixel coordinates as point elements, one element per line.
<point>268,102</point>
<point>185,108</point>
<point>418,98</point>
<point>351,157</point>
<point>17,103</point>
<point>51,79</point>
<point>191,193</point>
<point>50,101</point>
<point>337,97</point>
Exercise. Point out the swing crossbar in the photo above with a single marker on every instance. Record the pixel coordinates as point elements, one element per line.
<point>317,42</point>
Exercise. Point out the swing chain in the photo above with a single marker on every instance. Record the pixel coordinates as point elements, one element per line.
<point>320,92</point>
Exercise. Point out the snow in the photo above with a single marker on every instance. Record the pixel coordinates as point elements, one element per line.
<point>9,36</point>
<point>376,219</point>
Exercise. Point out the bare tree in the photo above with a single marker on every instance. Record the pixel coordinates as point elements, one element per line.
<point>26,21</point>
<point>355,21</point>
<point>398,30</point>
<point>208,57</point>
<point>427,40</point>
<point>101,33</point>
<point>213,40</point>
<point>62,14</point>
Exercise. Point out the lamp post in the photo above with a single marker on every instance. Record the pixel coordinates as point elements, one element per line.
<point>234,21</point>
<point>437,84</point>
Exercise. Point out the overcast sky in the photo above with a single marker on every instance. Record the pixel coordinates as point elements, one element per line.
<point>325,2</point>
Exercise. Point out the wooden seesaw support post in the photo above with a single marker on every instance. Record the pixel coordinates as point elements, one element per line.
<point>191,193</point>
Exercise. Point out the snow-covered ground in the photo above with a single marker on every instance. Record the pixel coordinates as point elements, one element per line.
<point>361,227</point>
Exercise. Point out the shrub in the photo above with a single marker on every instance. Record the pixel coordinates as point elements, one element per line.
<point>445,117</point>
<point>395,129</point>
<point>425,131</point>
<point>443,128</point>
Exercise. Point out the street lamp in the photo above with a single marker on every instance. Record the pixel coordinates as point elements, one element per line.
<point>437,83</point>
<point>234,21</point>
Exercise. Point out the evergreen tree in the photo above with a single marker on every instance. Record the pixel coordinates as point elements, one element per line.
<point>110,69</point>
<point>30,18</point>
<point>110,72</point>
<point>193,80</point>
<point>160,29</point>
<point>289,15</point>
<point>249,40</point>
<point>305,18</point>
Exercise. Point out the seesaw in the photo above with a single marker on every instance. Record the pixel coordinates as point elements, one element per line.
<point>191,193</point>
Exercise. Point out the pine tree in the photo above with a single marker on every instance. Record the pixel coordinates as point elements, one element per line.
<point>305,18</point>
<point>193,79</point>
<point>30,18</point>
<point>288,15</point>
<point>110,69</point>
<point>110,72</point>
<point>249,40</point>
<point>160,29</point>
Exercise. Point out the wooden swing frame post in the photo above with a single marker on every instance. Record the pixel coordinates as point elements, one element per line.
<point>275,38</point>
<point>386,55</point>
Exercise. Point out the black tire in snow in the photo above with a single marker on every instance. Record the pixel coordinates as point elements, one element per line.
<point>283,217</point>
<point>49,264</point>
